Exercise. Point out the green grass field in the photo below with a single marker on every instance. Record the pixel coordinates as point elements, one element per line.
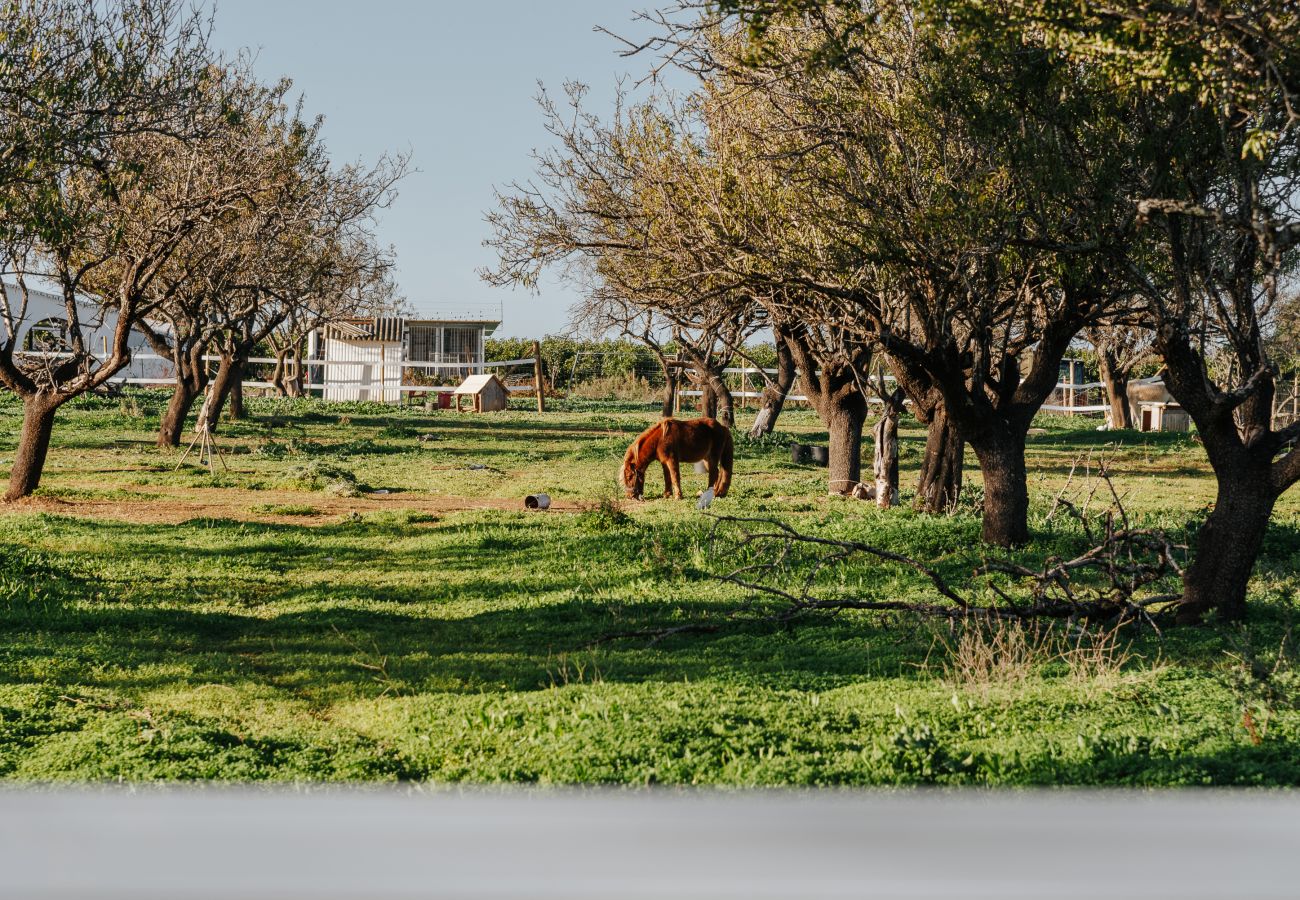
<point>287,620</point>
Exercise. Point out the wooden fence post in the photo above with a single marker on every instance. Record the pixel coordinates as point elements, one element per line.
<point>538,381</point>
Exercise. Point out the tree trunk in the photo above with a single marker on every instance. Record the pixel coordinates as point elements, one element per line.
<point>939,485</point>
<point>724,406</point>
<point>1116,381</point>
<point>670,392</point>
<point>1227,546</point>
<point>294,382</point>
<point>885,458</point>
<point>774,392</point>
<point>1006,489</point>
<point>708,405</point>
<point>178,409</point>
<point>221,388</point>
<point>845,424</point>
<point>33,446</point>
<point>236,412</point>
<point>279,374</point>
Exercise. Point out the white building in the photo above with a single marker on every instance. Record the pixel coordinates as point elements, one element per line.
<point>43,327</point>
<point>380,359</point>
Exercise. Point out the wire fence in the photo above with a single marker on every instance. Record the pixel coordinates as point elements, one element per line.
<point>594,375</point>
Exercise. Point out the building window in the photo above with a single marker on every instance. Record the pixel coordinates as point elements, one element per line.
<point>461,345</point>
<point>422,343</point>
<point>48,336</point>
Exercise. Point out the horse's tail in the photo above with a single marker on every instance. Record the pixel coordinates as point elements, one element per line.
<point>725,454</point>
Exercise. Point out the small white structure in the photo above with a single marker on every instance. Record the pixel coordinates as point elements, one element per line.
<point>44,328</point>
<point>380,359</point>
<point>1162,416</point>
<point>487,393</point>
<point>1154,408</point>
<point>364,359</point>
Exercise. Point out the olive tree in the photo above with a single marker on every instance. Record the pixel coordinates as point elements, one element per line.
<point>100,102</point>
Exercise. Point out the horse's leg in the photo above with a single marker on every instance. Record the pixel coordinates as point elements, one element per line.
<point>676,472</point>
<point>713,472</point>
<point>723,459</point>
<point>668,480</point>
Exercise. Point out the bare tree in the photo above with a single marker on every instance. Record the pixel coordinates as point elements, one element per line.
<point>209,266</point>
<point>602,312</point>
<point>365,288</point>
<point>1121,347</point>
<point>321,249</point>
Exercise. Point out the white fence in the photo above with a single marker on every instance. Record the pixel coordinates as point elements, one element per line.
<point>1066,389</point>
<point>318,366</point>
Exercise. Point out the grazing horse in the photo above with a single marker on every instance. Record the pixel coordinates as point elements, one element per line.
<point>672,441</point>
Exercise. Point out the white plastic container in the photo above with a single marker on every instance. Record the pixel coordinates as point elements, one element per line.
<point>537,501</point>
<point>705,499</point>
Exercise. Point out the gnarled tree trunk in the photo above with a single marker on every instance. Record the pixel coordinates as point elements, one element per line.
<point>33,444</point>
<point>1006,491</point>
<point>829,371</point>
<point>939,484</point>
<point>774,392</point>
<point>280,374</point>
<point>1116,381</point>
<point>1228,545</point>
<point>885,453</point>
<point>670,393</point>
<point>228,372</point>
<point>178,409</point>
<point>715,398</point>
<point>844,419</point>
<point>235,408</point>
<point>708,402</point>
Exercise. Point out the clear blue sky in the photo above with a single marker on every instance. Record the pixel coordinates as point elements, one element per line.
<point>454,82</point>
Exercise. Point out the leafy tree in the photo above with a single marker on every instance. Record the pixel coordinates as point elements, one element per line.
<point>99,101</point>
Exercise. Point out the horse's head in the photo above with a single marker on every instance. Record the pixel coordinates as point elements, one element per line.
<point>632,476</point>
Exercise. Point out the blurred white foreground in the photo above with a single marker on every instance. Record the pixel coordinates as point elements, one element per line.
<point>229,843</point>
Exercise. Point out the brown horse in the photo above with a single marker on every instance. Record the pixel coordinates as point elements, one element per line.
<point>673,442</point>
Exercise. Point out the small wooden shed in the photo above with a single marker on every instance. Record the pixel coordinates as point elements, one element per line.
<point>487,392</point>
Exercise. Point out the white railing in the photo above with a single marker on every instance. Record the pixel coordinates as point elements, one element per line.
<point>750,395</point>
<point>308,364</point>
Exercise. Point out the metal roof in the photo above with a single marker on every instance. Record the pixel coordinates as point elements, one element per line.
<point>392,328</point>
<point>387,329</point>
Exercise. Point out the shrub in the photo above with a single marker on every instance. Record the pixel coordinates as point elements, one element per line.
<point>319,476</point>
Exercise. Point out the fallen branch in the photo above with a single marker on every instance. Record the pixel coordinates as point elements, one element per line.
<point>1115,582</point>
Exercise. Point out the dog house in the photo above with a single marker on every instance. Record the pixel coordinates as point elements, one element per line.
<point>1154,409</point>
<point>487,393</point>
<point>1162,416</point>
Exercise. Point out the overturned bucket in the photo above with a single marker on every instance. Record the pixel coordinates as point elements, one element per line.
<point>821,456</point>
<point>537,501</point>
<point>797,452</point>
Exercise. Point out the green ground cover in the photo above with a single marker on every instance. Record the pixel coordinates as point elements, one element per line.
<point>285,621</point>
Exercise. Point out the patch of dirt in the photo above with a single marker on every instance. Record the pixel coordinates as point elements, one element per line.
<point>183,504</point>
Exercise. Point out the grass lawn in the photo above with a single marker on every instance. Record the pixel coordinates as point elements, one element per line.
<point>362,597</point>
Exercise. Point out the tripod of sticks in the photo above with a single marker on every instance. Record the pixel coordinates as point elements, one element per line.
<point>204,441</point>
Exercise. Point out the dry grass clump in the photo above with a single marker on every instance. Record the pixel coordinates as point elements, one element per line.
<point>999,652</point>
<point>627,386</point>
